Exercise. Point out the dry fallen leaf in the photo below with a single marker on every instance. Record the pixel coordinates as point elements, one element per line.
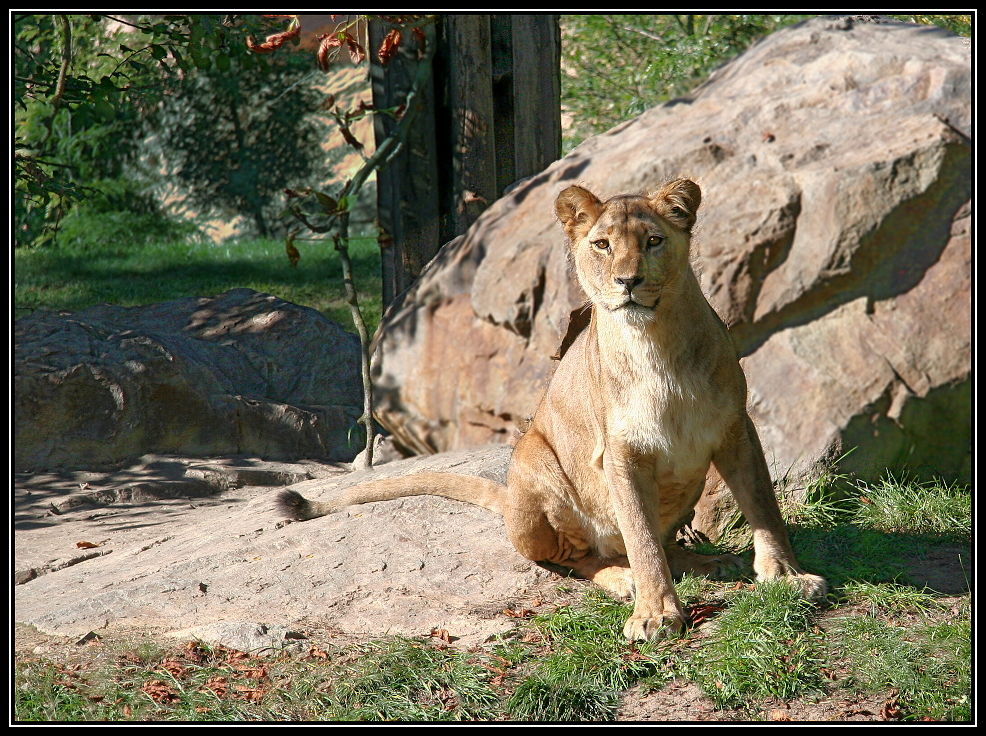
<point>441,634</point>
<point>699,614</point>
<point>159,692</point>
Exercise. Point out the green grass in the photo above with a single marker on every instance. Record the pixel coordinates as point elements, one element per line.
<point>82,274</point>
<point>910,647</point>
<point>926,664</point>
<point>764,647</point>
<point>583,665</point>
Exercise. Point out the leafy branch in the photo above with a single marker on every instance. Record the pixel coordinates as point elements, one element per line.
<point>333,213</point>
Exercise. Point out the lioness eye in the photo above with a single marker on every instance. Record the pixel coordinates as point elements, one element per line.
<point>654,240</point>
<point>600,244</point>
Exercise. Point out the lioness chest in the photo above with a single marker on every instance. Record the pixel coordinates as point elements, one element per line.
<point>662,403</point>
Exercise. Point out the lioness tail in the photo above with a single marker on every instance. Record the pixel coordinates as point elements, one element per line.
<point>472,489</point>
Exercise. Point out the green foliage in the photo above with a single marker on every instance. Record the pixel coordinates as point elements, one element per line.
<point>240,130</point>
<point>927,664</point>
<point>405,680</point>
<point>958,24</point>
<point>119,213</point>
<point>616,66</point>
<point>83,86</point>
<point>89,266</point>
<point>905,505</point>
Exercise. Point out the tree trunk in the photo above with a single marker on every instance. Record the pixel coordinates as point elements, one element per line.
<point>492,116</point>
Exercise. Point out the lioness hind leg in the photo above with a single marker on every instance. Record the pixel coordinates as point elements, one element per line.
<point>717,567</point>
<point>611,574</point>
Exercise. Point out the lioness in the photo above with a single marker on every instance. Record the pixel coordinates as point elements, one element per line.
<point>645,398</point>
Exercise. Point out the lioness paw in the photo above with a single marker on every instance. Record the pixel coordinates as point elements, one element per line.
<point>645,628</point>
<point>813,587</point>
<point>810,587</point>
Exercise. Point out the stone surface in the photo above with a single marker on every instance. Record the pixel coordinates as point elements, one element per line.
<point>225,566</point>
<point>243,372</point>
<point>834,239</point>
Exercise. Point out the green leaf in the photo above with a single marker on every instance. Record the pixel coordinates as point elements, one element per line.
<point>330,204</point>
<point>345,203</point>
<point>222,62</point>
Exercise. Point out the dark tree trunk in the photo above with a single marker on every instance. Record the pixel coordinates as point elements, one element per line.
<point>492,116</point>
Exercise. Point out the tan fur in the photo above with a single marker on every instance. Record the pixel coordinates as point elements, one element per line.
<point>644,400</point>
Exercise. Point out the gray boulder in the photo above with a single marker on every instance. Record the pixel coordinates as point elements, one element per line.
<point>227,568</point>
<point>242,372</point>
<point>834,239</point>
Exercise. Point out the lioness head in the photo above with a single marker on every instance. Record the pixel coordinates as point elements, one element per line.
<point>630,249</point>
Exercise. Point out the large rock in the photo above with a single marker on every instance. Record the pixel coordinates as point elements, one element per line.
<point>834,239</point>
<point>136,552</point>
<point>243,372</point>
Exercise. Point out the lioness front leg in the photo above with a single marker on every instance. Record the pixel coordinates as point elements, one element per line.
<point>656,608</point>
<point>740,461</point>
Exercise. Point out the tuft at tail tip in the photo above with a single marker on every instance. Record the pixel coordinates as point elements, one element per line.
<point>293,505</point>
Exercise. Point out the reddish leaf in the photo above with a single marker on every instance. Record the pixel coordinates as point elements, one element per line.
<point>217,685</point>
<point>526,613</point>
<point>328,42</point>
<point>159,692</point>
<point>172,667</point>
<point>441,634</point>
<point>273,41</point>
<point>356,52</point>
<point>698,614</point>
<point>422,42</point>
<point>87,545</point>
<point>891,710</point>
<point>350,138</point>
<point>293,255</point>
<point>388,49</point>
<point>249,693</point>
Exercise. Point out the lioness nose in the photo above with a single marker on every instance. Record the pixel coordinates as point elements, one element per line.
<point>629,282</point>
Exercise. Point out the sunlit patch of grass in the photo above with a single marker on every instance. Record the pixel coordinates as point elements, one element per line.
<point>75,277</point>
<point>763,645</point>
<point>408,680</point>
<point>586,665</point>
<point>926,666</point>
<point>905,505</point>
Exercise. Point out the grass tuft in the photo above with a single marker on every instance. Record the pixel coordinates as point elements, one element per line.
<point>587,664</point>
<point>764,646</point>
<point>927,665</point>
<point>407,680</point>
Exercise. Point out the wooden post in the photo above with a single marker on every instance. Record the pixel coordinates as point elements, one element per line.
<point>536,93</point>
<point>470,96</point>
<point>407,189</point>
<point>492,116</point>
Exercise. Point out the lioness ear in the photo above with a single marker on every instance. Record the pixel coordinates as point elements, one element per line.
<point>678,202</point>
<point>577,209</point>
